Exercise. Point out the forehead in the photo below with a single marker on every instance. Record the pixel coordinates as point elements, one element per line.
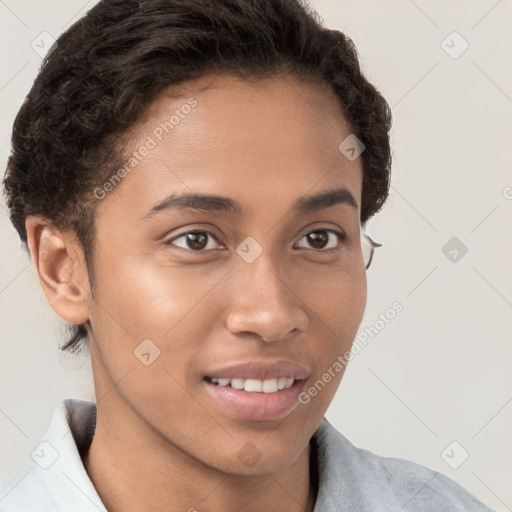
<point>263,141</point>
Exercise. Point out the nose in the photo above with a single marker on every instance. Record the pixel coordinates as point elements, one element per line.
<point>264,303</point>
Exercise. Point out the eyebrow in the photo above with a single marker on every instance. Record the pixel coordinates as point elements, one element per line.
<point>205,202</point>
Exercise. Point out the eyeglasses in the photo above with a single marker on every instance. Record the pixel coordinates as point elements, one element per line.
<point>368,245</point>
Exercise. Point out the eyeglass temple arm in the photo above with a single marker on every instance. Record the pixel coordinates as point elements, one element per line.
<point>366,235</point>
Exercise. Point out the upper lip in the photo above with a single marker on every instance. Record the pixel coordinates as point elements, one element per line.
<point>261,370</point>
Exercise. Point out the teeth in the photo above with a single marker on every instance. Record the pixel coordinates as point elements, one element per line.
<point>237,383</point>
<point>253,385</point>
<point>269,386</point>
<point>256,385</point>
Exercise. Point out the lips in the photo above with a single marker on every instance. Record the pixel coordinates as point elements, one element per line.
<point>252,390</point>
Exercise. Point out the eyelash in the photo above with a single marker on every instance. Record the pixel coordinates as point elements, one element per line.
<point>340,235</point>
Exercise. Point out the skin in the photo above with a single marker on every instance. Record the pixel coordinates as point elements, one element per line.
<point>161,442</point>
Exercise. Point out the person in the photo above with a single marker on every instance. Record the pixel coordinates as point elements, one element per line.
<point>193,180</point>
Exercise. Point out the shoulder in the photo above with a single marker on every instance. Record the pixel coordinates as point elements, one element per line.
<point>374,480</point>
<point>24,491</point>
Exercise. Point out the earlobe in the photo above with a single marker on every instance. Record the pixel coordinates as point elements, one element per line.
<point>61,268</point>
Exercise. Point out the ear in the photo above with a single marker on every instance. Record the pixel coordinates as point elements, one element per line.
<point>60,264</point>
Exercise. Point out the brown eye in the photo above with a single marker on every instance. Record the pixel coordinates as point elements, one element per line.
<point>195,241</point>
<point>320,239</point>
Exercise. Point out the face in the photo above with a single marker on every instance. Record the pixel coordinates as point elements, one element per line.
<point>258,290</point>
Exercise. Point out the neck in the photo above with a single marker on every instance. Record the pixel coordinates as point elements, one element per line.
<point>135,469</point>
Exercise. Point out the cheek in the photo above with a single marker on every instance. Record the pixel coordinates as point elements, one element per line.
<point>351,304</point>
<point>145,300</point>
<point>339,311</point>
<point>150,322</point>
<point>143,307</point>
<point>339,303</point>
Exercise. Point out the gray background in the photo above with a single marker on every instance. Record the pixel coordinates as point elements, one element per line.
<point>440,370</point>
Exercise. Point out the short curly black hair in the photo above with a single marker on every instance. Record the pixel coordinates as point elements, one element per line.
<point>105,70</point>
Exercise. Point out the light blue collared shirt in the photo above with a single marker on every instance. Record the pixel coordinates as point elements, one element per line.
<point>350,479</point>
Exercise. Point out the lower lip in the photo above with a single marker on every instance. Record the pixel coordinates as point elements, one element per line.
<point>257,406</point>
